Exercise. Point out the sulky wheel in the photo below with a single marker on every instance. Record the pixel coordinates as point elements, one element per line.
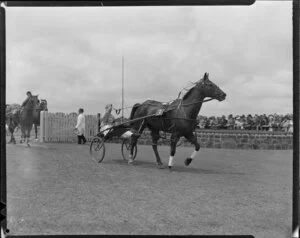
<point>97,149</point>
<point>125,148</point>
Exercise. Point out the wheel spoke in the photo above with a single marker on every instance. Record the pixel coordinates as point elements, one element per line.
<point>99,145</point>
<point>97,149</point>
<point>127,146</point>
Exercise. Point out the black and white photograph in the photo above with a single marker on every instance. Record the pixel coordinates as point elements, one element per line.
<point>157,120</point>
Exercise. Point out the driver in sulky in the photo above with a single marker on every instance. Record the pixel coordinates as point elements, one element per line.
<point>109,121</point>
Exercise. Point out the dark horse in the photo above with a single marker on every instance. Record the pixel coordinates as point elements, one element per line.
<point>178,118</point>
<point>27,117</point>
<point>13,113</point>
<point>16,116</point>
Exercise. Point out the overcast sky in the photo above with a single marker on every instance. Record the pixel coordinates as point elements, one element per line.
<point>73,56</point>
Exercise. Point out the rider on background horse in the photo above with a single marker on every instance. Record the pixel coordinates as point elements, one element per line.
<point>29,95</point>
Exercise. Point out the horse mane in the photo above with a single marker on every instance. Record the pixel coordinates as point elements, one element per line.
<point>188,93</point>
<point>185,96</point>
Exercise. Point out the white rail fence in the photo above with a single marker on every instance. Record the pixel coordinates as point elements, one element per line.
<point>59,127</point>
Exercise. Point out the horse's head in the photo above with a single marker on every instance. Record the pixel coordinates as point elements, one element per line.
<point>209,89</point>
<point>32,102</point>
<point>43,105</point>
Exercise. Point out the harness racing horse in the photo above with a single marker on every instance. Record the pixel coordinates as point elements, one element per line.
<point>178,118</point>
<point>27,117</point>
<point>36,114</point>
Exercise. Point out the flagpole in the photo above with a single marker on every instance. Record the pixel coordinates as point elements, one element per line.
<point>122,87</point>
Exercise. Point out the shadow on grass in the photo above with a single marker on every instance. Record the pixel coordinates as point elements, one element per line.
<point>144,164</point>
<point>183,169</point>
<point>175,169</point>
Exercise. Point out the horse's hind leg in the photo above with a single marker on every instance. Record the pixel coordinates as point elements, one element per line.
<point>36,131</point>
<point>134,140</point>
<point>11,130</point>
<point>174,140</point>
<point>11,135</point>
<point>12,138</point>
<point>155,138</point>
<point>133,143</point>
<point>193,139</point>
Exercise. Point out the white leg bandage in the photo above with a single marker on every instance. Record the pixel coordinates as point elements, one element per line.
<point>130,159</point>
<point>296,232</point>
<point>194,154</point>
<point>171,161</point>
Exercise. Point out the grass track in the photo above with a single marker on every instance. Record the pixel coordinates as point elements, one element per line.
<point>59,189</point>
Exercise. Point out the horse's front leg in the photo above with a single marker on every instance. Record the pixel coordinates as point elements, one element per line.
<point>193,139</point>
<point>155,137</point>
<point>22,135</point>
<point>36,131</point>
<point>174,140</point>
<point>28,136</point>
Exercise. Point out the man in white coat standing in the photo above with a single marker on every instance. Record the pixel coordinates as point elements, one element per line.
<point>80,126</point>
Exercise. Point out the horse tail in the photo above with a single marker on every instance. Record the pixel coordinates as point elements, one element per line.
<point>135,106</point>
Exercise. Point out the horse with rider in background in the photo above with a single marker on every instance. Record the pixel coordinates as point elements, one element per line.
<point>13,116</point>
<point>17,115</point>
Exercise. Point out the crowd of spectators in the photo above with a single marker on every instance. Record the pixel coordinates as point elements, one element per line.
<point>273,122</point>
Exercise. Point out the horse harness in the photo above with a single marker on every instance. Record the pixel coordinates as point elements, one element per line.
<point>167,108</point>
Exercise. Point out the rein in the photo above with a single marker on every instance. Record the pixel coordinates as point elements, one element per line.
<point>192,103</point>
<point>181,118</point>
<point>186,104</point>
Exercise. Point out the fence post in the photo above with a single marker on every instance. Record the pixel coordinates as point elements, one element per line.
<point>42,129</point>
<point>46,126</point>
<point>95,126</point>
<point>86,128</point>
